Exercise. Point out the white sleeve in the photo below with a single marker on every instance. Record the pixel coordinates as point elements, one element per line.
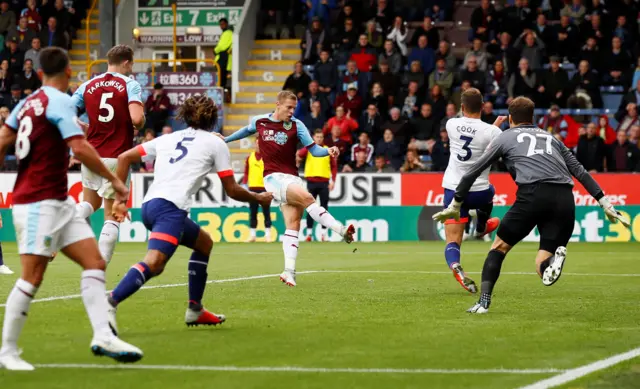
<point>147,150</point>
<point>222,159</point>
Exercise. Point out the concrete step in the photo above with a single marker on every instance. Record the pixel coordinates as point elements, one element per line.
<point>276,53</point>
<point>77,55</point>
<point>250,109</point>
<point>265,75</point>
<point>256,97</point>
<point>260,86</point>
<point>236,120</point>
<point>77,42</point>
<point>277,43</point>
<point>93,34</point>
<point>267,64</point>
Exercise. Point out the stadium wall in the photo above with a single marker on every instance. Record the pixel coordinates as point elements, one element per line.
<point>386,207</point>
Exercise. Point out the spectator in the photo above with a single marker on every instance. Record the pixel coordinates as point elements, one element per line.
<point>22,34</point>
<point>605,131</point>
<point>63,17</point>
<point>345,42</point>
<point>424,126</point>
<point>412,163</point>
<point>441,77</point>
<point>415,74</point>
<point>316,118</point>
<point>33,53</point>
<point>346,124</point>
<point>374,36</point>
<point>472,74</point>
<point>424,54</point>
<point>14,56</point>
<point>335,139</point>
<point>358,165</point>
<point>350,101</point>
<point>517,18</point>
<point>298,81</point>
<point>378,99</point>
<point>34,21</point>
<point>51,35</point>
<point>353,75</point>
<point>523,82</point>
<point>532,49</point>
<point>271,19</point>
<point>409,102</point>
<point>505,52</point>
<point>566,40</point>
<point>544,31</point>
<point>347,13</point>
<point>313,95</point>
<point>16,96</point>
<point>555,123</point>
<point>6,80</point>
<point>391,56</point>
<point>370,122</point>
<point>622,31</point>
<point>386,79</point>
<point>497,83</point>
<point>398,35</point>
<point>380,166</point>
<point>483,22</point>
<point>166,130</point>
<point>618,62</point>
<point>478,53</point>
<point>450,112</point>
<point>382,14</point>
<point>427,29</point>
<point>487,115</point>
<point>440,152</point>
<point>591,150</point>
<point>223,51</point>
<point>398,125</point>
<point>590,52</point>
<point>138,138</point>
<point>7,18</point>
<point>596,31</point>
<point>319,9</point>
<point>585,84</point>
<point>632,96</point>
<point>623,156</point>
<point>313,42</point>
<point>28,79</point>
<point>629,119</point>
<point>364,54</point>
<point>575,11</point>
<point>364,144</point>
<point>326,74</point>
<point>436,11</point>
<point>555,82</point>
<point>636,73</point>
<point>157,108</point>
<point>4,114</point>
<point>390,149</point>
<point>438,102</point>
<point>634,135</point>
<point>445,53</point>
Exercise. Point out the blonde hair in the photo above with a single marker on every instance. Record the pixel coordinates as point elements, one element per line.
<point>286,95</point>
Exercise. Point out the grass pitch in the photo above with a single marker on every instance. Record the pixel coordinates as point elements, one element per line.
<point>387,306</point>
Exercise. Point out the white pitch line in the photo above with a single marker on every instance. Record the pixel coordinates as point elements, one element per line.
<point>297,369</point>
<point>574,374</point>
<point>163,286</point>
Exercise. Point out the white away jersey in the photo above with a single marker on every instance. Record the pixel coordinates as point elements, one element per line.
<point>468,140</point>
<point>183,159</point>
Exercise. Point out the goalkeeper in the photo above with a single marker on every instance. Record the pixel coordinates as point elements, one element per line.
<point>542,168</point>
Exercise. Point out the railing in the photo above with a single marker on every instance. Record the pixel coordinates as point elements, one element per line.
<point>87,29</point>
<point>91,64</point>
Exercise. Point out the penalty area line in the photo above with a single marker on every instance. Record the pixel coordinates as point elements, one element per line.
<point>297,369</point>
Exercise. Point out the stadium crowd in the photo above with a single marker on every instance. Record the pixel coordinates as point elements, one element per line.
<point>381,79</point>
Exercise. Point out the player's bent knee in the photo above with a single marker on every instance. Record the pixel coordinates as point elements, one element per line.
<point>156,260</point>
<point>500,245</point>
<point>204,243</point>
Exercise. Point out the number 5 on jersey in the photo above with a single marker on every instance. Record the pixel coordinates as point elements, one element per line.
<point>105,105</point>
<point>182,148</point>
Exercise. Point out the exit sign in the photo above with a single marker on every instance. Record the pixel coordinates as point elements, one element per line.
<point>190,17</point>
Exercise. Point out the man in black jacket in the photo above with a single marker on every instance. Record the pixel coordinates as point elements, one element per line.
<point>326,73</point>
<point>28,79</point>
<point>424,126</point>
<point>623,155</point>
<point>632,97</point>
<point>554,84</point>
<point>591,150</point>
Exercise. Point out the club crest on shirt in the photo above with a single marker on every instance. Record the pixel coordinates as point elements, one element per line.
<point>47,241</point>
<point>281,137</point>
<point>287,125</point>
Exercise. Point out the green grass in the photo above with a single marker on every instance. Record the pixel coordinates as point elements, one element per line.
<point>346,317</point>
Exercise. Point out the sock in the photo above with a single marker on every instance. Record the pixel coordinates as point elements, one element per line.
<point>290,249</point>
<point>197,279</point>
<point>452,254</point>
<point>491,271</point>
<point>137,276</point>
<point>267,233</point>
<point>15,314</point>
<point>252,232</point>
<point>309,231</point>
<point>483,216</point>
<point>94,297</point>
<point>545,264</point>
<point>84,209</point>
<point>108,239</point>
<point>1,256</point>
<point>322,216</point>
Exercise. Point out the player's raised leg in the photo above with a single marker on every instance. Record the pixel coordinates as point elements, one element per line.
<point>453,233</point>
<point>292,216</point>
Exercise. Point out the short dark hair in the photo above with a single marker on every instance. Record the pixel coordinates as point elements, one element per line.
<point>521,110</point>
<point>53,61</point>
<point>119,54</point>
<point>223,20</point>
<point>318,131</point>
<point>472,100</point>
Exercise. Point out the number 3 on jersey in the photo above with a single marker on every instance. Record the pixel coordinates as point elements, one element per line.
<point>467,140</point>
<point>182,148</point>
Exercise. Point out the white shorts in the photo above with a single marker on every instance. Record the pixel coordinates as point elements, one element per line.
<point>93,181</point>
<point>277,183</point>
<point>48,226</point>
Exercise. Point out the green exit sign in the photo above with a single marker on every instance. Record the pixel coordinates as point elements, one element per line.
<point>196,17</point>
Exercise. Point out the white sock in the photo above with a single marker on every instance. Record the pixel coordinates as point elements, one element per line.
<point>322,216</point>
<point>94,297</point>
<point>15,314</point>
<point>252,232</point>
<point>84,209</point>
<point>290,249</point>
<point>108,239</point>
<point>267,233</point>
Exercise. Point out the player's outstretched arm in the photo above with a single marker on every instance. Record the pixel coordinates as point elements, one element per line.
<point>7,138</point>
<point>493,153</point>
<point>136,111</point>
<point>240,134</point>
<point>125,160</point>
<point>238,193</point>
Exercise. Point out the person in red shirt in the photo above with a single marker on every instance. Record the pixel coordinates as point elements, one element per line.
<point>350,101</point>
<point>364,54</point>
<point>346,124</point>
<point>34,20</point>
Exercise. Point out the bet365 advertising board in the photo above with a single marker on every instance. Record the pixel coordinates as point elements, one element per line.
<point>384,207</point>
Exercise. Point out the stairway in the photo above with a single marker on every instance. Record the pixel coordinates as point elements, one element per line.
<point>78,50</point>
